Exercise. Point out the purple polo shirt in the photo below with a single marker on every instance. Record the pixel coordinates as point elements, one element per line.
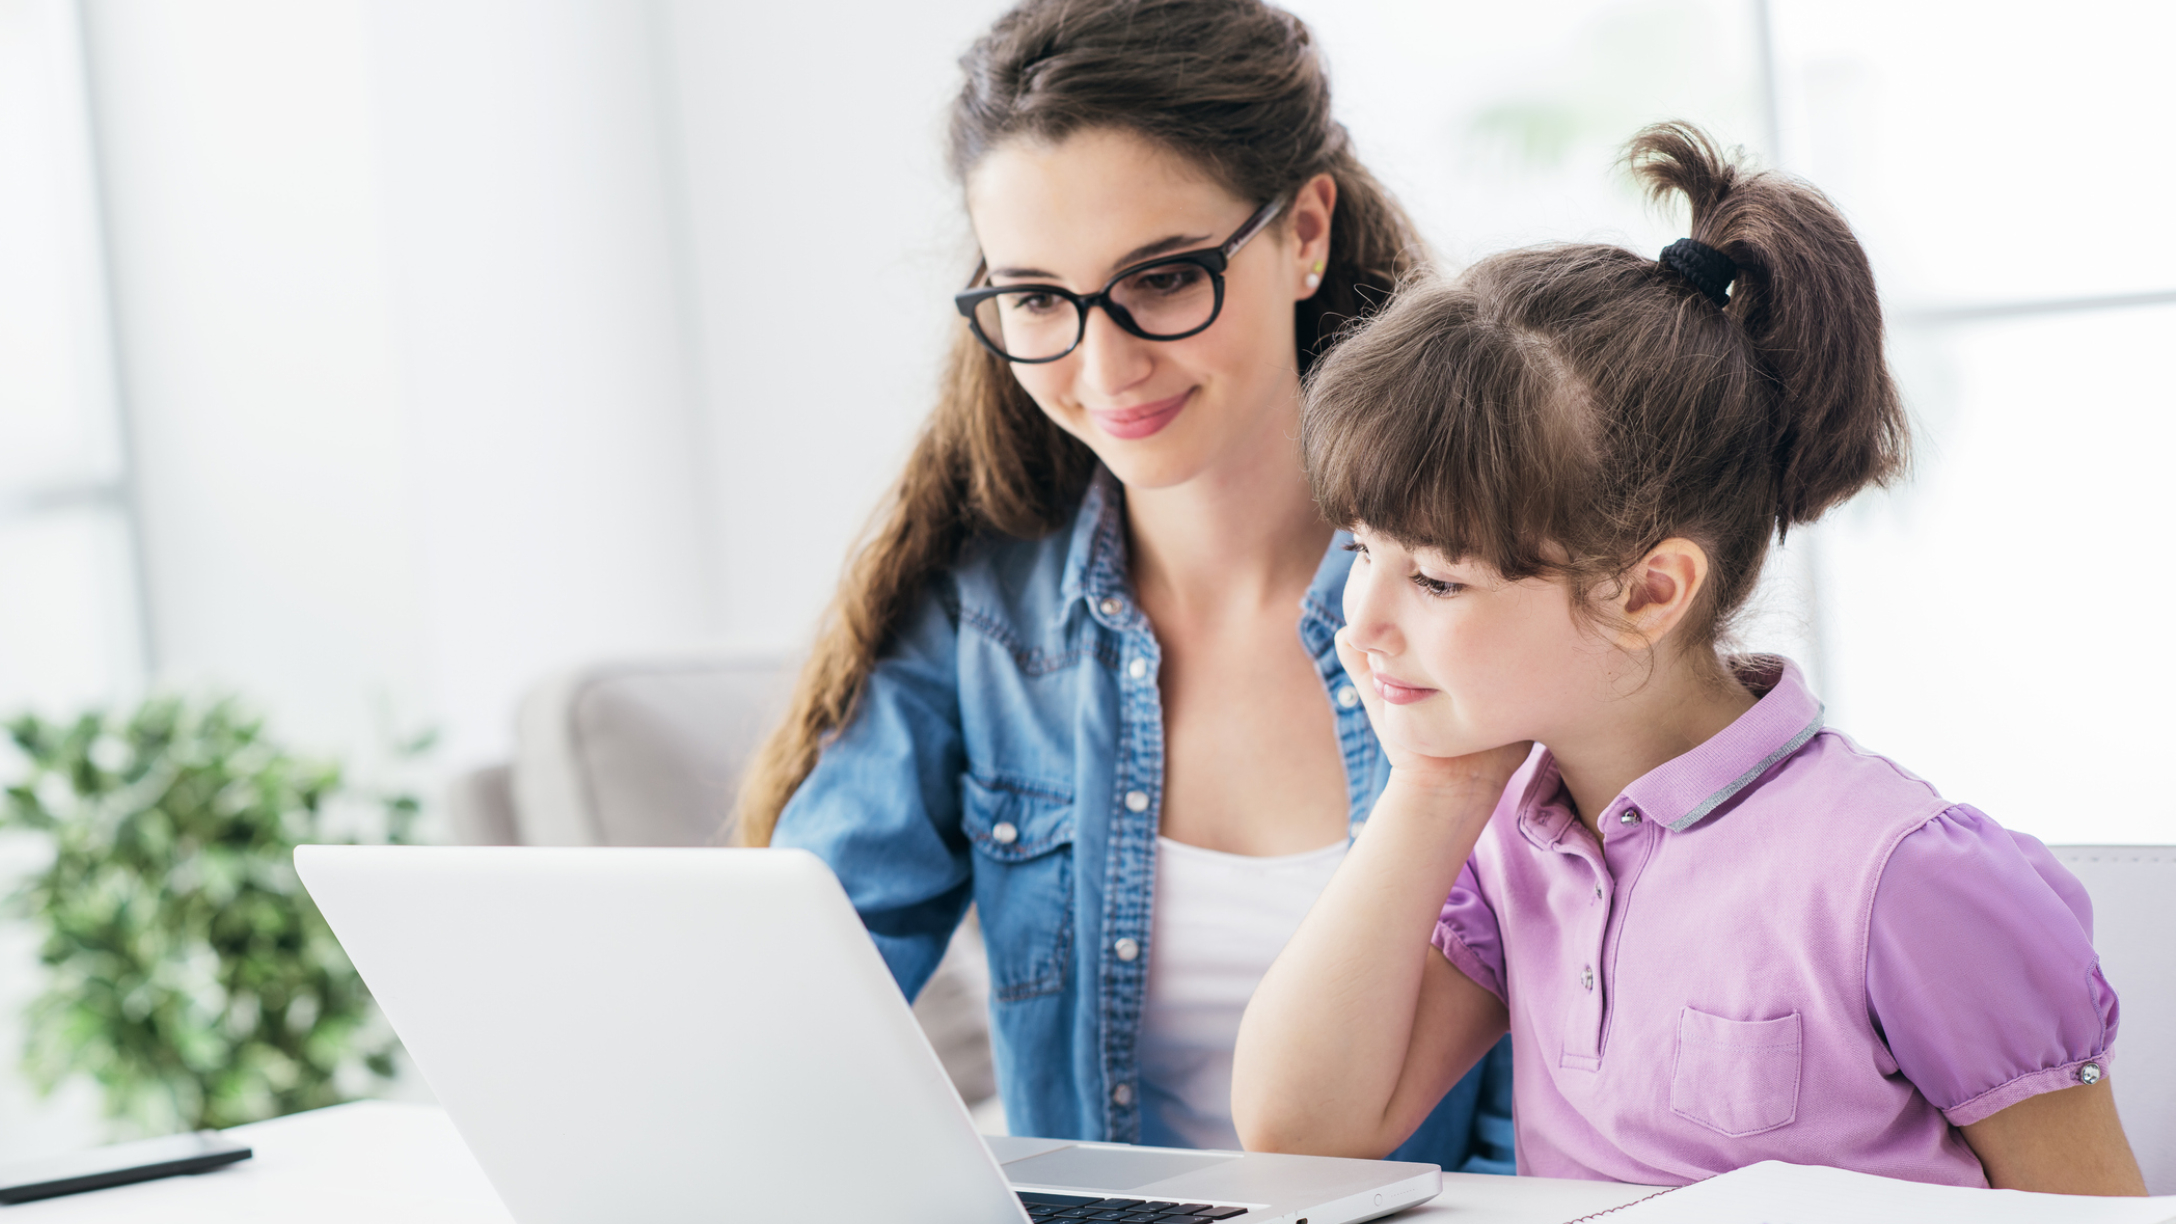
<point>1787,948</point>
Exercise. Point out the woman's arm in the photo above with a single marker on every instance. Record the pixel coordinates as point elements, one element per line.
<point>2063,1142</point>
<point>882,806</point>
<point>1361,1026</point>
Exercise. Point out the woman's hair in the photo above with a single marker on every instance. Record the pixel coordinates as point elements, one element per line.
<point>1235,86</point>
<point>1560,410</point>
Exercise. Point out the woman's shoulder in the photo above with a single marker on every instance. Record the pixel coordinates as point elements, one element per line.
<point>1020,588</point>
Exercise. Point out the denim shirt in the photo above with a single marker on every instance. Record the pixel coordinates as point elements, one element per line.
<point>1009,750</point>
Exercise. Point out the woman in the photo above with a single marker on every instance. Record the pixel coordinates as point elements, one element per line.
<point>1063,681</point>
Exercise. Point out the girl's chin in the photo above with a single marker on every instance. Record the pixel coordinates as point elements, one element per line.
<point>1409,731</point>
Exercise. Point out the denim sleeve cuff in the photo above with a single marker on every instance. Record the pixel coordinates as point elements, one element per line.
<point>2030,1084</point>
<point>1467,961</point>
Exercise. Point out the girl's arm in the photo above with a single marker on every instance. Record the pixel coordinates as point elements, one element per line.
<point>1361,1026</point>
<point>2063,1142</point>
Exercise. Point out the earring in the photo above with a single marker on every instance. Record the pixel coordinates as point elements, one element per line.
<point>1314,277</point>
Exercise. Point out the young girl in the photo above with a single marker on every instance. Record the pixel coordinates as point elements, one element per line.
<point>1718,932</point>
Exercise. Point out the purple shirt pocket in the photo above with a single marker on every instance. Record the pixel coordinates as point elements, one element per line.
<point>1736,1077</point>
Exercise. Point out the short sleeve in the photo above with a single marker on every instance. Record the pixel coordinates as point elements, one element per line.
<point>1980,970</point>
<point>1467,935</point>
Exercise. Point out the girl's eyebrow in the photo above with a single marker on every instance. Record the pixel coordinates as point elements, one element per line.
<point>1147,250</point>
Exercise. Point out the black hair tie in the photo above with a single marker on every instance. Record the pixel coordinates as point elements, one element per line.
<point>1709,270</point>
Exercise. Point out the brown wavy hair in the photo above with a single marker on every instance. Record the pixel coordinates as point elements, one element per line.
<point>1560,410</point>
<point>1239,88</point>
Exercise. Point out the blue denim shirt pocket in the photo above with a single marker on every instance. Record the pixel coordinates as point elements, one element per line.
<point>1022,834</point>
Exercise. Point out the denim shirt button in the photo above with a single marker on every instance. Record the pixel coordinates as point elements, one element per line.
<point>1127,949</point>
<point>1123,1094</point>
<point>1004,833</point>
<point>1348,697</point>
<point>1111,605</point>
<point>1136,801</point>
<point>1137,669</point>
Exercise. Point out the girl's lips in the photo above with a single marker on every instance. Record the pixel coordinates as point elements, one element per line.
<point>1141,420</point>
<point>1400,694</point>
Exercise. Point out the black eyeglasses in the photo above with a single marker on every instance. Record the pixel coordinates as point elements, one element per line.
<point>1170,297</point>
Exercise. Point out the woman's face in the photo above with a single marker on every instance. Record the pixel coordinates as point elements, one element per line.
<point>1158,413</point>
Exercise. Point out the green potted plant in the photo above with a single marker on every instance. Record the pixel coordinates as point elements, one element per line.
<point>189,975</point>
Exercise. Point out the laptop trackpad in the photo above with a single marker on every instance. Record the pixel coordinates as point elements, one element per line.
<point>1107,1168</point>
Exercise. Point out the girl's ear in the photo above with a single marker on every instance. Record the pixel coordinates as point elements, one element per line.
<point>1658,592</point>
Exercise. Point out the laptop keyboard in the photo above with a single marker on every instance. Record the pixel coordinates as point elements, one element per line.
<point>1069,1207</point>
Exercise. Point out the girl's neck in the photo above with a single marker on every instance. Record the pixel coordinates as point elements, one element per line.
<point>1654,719</point>
<point>1238,538</point>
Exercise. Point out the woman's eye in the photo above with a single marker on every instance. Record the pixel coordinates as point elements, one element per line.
<point>1168,281</point>
<point>1032,303</point>
<point>1355,546</point>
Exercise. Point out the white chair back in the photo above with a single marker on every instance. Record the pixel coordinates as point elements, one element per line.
<point>2134,927</point>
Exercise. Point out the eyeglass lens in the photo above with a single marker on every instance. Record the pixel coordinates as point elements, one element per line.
<point>1165,301</point>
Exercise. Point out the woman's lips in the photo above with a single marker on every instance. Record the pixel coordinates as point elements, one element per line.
<point>1399,694</point>
<point>1141,420</point>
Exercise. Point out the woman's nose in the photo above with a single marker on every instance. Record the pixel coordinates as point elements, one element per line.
<point>1112,361</point>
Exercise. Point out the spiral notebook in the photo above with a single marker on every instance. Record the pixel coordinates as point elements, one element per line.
<point>1776,1193</point>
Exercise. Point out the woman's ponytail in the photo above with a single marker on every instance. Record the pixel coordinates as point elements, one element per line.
<point>1805,296</point>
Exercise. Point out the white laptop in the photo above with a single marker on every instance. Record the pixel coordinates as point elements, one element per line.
<point>682,1035</point>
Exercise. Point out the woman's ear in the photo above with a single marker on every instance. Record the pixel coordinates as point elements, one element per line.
<point>1312,207</point>
<point>1658,592</point>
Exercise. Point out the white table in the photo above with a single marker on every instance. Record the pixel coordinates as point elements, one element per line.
<point>377,1161</point>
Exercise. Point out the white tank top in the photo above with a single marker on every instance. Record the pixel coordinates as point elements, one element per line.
<point>1219,920</point>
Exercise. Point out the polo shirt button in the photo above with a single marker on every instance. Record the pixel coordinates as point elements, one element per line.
<point>1004,833</point>
<point>2089,1073</point>
<point>1136,801</point>
<point>1586,977</point>
<point>1348,697</point>
<point>1630,817</point>
<point>1111,606</point>
<point>1123,1094</point>
<point>1127,949</point>
<point>1137,669</point>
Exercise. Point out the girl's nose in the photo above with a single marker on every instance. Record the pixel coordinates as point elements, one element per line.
<point>1111,361</point>
<point>1368,622</point>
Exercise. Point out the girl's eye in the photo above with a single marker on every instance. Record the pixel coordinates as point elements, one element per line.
<point>1437,588</point>
<point>1356,546</point>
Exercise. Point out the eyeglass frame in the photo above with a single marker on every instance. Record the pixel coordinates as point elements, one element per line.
<point>1213,260</point>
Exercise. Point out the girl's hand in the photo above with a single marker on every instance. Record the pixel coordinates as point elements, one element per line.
<point>1486,771</point>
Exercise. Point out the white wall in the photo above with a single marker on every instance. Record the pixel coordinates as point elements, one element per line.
<point>825,244</point>
<point>403,339</point>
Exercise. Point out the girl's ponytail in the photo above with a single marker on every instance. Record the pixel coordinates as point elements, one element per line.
<point>1560,410</point>
<point>1804,294</point>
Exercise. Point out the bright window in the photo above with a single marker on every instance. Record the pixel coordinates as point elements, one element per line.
<point>69,609</point>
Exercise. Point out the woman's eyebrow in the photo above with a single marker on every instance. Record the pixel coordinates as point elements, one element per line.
<point>1147,250</point>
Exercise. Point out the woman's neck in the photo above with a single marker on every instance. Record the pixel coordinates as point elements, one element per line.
<point>1240,537</point>
<point>1654,719</point>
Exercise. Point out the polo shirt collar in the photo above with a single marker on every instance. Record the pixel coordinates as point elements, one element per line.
<point>1683,791</point>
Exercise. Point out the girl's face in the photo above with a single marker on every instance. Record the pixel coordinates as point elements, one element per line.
<point>1158,413</point>
<point>1464,661</point>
